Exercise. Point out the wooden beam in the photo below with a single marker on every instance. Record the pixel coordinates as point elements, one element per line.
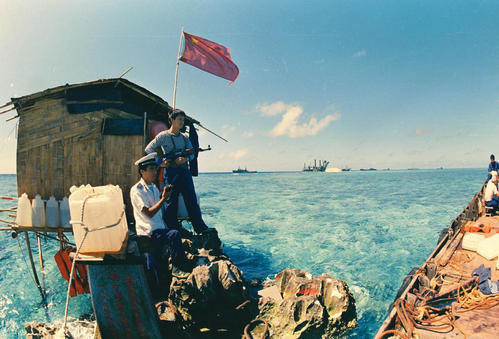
<point>30,254</point>
<point>8,110</point>
<point>7,104</point>
<point>97,101</point>
<point>41,229</point>
<point>40,255</point>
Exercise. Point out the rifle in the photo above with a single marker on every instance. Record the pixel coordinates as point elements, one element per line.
<point>173,155</point>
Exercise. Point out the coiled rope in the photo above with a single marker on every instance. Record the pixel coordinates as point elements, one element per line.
<point>441,320</point>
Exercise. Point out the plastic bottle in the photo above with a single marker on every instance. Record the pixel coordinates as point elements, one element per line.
<point>24,213</point>
<point>52,213</point>
<point>38,213</point>
<point>104,207</point>
<point>64,212</point>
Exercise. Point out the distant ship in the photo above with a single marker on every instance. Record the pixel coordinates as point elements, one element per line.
<point>346,169</point>
<point>240,170</point>
<point>316,168</point>
<point>368,169</point>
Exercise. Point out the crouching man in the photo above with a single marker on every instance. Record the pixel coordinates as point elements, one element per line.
<point>491,195</point>
<point>147,204</point>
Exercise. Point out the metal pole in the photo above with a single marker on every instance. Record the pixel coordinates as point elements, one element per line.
<point>176,70</point>
<point>28,246</point>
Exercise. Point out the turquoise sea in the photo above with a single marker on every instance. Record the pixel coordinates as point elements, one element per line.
<point>367,228</point>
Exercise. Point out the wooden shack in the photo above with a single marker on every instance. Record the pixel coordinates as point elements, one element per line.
<point>87,133</point>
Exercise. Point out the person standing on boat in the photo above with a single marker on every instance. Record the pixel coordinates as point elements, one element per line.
<point>177,173</point>
<point>147,205</point>
<point>493,166</point>
<point>491,195</point>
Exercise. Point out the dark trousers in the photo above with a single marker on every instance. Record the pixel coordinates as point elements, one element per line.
<point>163,243</point>
<point>493,203</point>
<point>181,179</point>
<point>173,240</point>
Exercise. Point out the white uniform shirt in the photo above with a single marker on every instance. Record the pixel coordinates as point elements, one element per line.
<point>490,190</point>
<point>142,195</point>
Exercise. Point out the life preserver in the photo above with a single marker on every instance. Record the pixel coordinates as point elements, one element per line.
<point>79,283</point>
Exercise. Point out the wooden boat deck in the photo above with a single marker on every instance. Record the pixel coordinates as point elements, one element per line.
<point>476,323</point>
<point>454,266</point>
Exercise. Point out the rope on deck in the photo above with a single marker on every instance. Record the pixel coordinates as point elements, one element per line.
<point>441,320</point>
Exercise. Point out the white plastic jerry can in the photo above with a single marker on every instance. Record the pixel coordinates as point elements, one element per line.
<point>52,213</point>
<point>64,212</point>
<point>38,213</point>
<point>24,212</point>
<point>101,210</point>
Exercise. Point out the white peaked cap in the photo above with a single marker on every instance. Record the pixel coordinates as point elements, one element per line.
<point>151,158</point>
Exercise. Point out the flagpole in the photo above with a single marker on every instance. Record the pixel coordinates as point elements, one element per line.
<point>176,70</point>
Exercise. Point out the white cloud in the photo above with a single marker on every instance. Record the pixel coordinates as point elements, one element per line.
<point>359,54</point>
<point>289,124</point>
<point>248,134</point>
<point>227,130</point>
<point>419,132</point>
<point>236,155</point>
<point>276,108</point>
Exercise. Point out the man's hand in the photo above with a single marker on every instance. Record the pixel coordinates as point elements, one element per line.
<point>180,160</point>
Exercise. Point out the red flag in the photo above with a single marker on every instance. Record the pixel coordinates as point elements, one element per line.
<point>209,57</point>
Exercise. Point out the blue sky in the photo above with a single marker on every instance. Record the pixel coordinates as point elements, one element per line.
<point>360,83</point>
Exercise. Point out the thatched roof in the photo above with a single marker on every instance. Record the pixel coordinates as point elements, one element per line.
<point>100,94</point>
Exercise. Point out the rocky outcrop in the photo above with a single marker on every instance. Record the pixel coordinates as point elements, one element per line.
<point>210,294</point>
<point>76,328</point>
<point>38,330</point>
<point>215,297</point>
<point>208,297</point>
<point>205,244</point>
<point>311,307</point>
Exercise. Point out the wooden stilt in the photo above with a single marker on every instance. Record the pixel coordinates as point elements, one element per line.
<point>40,254</point>
<point>28,246</point>
<point>60,239</point>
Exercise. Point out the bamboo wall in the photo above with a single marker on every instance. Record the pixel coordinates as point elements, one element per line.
<point>57,150</point>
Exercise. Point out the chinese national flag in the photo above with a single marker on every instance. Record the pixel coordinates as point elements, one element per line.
<point>209,56</point>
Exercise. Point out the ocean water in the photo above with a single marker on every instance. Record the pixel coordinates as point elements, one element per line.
<point>367,228</point>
